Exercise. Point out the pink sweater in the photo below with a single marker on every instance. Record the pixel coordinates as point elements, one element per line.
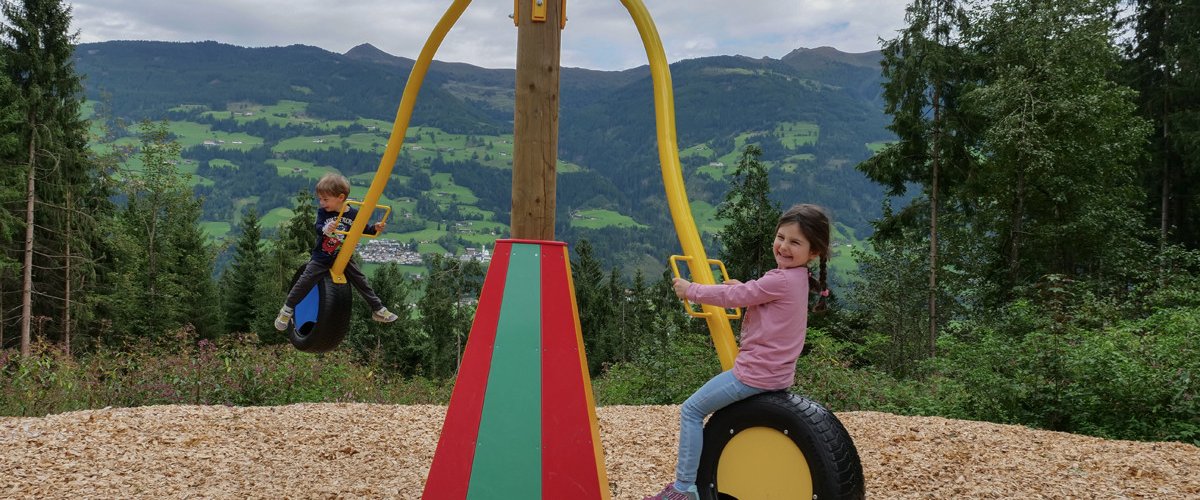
<point>774,325</point>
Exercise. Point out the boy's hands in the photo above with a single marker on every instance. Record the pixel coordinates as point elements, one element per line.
<point>379,226</point>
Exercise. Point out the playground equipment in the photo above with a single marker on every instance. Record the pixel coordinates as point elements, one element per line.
<point>322,318</point>
<point>521,421</point>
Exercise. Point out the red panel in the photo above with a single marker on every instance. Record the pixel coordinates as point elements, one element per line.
<point>569,468</point>
<point>450,473</point>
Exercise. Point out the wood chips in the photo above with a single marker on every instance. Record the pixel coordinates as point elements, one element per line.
<point>384,451</point>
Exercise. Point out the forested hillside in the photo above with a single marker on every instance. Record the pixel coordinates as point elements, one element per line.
<point>297,111</point>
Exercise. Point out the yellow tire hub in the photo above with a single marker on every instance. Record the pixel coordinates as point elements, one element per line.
<point>761,463</point>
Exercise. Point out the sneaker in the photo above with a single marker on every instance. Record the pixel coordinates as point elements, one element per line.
<point>383,315</point>
<point>670,493</point>
<point>284,318</point>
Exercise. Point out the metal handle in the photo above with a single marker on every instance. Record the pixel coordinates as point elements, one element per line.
<point>687,305</point>
<point>386,212</point>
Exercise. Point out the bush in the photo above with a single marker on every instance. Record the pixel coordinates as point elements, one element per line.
<point>824,374</point>
<point>661,377</point>
<point>1135,379</point>
<point>237,372</point>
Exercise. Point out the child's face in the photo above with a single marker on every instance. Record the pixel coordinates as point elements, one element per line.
<point>791,248</point>
<point>331,203</point>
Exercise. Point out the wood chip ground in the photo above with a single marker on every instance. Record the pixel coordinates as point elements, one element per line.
<point>384,451</point>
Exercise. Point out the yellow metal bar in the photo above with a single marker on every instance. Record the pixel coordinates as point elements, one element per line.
<point>668,155</point>
<point>687,304</point>
<point>386,212</point>
<point>399,128</point>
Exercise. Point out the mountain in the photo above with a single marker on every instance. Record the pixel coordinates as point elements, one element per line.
<point>814,113</point>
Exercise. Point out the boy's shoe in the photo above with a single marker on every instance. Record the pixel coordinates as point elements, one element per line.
<point>383,315</point>
<point>670,493</point>
<point>284,318</point>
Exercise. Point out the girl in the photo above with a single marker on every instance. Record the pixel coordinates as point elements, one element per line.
<point>772,333</point>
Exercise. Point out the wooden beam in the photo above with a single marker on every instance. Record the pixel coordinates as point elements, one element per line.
<point>535,121</point>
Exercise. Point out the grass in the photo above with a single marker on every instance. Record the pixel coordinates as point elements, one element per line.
<point>878,146</point>
<point>598,218</point>
<point>298,167</point>
<point>216,230</point>
<point>190,134</point>
<point>705,215</point>
<point>276,217</point>
<point>795,134</point>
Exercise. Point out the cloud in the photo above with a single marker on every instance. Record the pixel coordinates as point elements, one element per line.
<point>599,35</point>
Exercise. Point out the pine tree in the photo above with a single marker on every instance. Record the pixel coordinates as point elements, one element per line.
<point>926,74</point>
<point>750,218</point>
<point>52,160</point>
<point>446,312</point>
<point>1164,67</point>
<point>166,261</point>
<point>241,282</point>
<point>396,347</point>
<point>595,307</point>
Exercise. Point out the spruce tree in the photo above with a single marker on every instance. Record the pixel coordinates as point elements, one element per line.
<point>446,314</point>
<point>166,261</point>
<point>241,282</point>
<point>750,218</point>
<point>595,307</point>
<point>926,73</point>
<point>1164,67</point>
<point>52,160</point>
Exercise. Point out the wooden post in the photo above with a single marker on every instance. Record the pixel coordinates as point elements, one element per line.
<point>535,120</point>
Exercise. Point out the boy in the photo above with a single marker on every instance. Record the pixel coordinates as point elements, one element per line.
<point>332,191</point>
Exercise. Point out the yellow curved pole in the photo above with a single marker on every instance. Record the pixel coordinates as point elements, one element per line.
<point>668,155</point>
<point>399,128</point>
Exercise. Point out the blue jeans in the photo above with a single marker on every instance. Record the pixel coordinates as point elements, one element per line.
<point>719,392</point>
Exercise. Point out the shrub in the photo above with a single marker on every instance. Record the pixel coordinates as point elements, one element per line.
<point>235,371</point>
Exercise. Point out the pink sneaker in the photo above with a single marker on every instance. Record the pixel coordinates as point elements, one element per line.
<point>670,493</point>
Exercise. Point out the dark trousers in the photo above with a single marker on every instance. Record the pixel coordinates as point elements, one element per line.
<point>315,270</point>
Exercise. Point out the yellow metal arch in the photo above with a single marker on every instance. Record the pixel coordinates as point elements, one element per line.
<point>399,128</point>
<point>668,155</point>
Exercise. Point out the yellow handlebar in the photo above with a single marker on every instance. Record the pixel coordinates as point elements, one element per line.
<point>386,212</point>
<point>687,305</point>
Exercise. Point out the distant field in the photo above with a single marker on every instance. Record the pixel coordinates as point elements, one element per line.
<point>216,230</point>
<point>705,215</point>
<point>598,218</point>
<point>275,218</point>
<point>878,146</point>
<point>795,134</point>
<point>421,143</point>
<point>791,134</point>
<point>190,134</point>
<point>300,168</point>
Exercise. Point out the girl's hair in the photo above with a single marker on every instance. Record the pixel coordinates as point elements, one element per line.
<point>332,184</point>
<point>814,224</point>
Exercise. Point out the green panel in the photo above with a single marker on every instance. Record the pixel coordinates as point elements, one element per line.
<point>508,457</point>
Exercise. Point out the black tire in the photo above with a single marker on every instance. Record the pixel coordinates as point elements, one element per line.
<point>332,320</point>
<point>832,460</point>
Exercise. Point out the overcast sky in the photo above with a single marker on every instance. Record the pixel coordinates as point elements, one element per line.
<point>599,34</point>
